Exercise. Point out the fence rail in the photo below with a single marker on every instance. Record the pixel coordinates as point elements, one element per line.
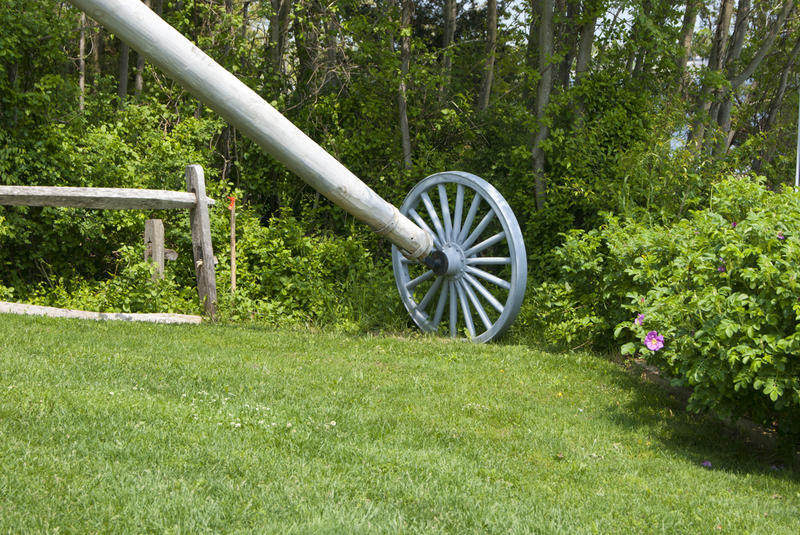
<point>97,198</point>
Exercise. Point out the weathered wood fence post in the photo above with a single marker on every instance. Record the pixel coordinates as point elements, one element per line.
<point>201,240</point>
<point>154,246</point>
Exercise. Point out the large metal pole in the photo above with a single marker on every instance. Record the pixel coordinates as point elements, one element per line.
<point>145,31</point>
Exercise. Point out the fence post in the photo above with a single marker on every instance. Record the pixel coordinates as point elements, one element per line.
<point>154,246</point>
<point>201,241</point>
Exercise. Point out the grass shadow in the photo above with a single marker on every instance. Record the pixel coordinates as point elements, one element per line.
<point>698,437</point>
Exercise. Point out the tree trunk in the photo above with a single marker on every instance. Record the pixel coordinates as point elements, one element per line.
<point>687,33</point>
<point>737,39</point>
<point>545,46</point>
<point>719,44</point>
<point>306,37</point>
<point>491,49</point>
<point>122,76</point>
<point>138,80</point>
<point>278,33</point>
<point>567,40</point>
<point>644,34</point>
<point>584,56</point>
<point>82,64</point>
<point>531,56</point>
<point>766,45</point>
<point>721,109</point>
<point>332,83</point>
<point>775,107</point>
<point>450,16</point>
<point>97,52</point>
<point>244,58</point>
<point>583,59</point>
<point>405,62</point>
<point>723,116</point>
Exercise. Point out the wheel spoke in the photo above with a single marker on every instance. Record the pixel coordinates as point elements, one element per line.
<point>437,317</point>
<point>453,310</point>
<point>489,277</point>
<point>459,211</point>
<point>437,224</point>
<point>410,285</point>
<point>485,244</point>
<point>488,260</point>
<point>478,230</point>
<point>448,223</point>
<point>465,310</point>
<point>429,295</point>
<point>421,222</point>
<point>473,211</point>
<point>484,292</point>
<point>477,305</point>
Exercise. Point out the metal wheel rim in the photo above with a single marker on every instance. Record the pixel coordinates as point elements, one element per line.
<point>466,289</point>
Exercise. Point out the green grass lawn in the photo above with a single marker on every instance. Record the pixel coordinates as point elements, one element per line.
<point>118,427</point>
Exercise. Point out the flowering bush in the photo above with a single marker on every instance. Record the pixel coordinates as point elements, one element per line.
<point>723,289</point>
<point>714,299</point>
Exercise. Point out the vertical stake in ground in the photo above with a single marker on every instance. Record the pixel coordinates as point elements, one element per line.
<point>154,246</point>
<point>232,208</point>
<point>201,241</point>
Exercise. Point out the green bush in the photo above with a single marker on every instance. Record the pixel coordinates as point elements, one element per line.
<point>721,288</point>
<point>582,306</point>
<point>129,288</point>
<point>286,275</point>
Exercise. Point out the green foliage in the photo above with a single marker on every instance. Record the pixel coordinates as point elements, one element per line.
<point>31,43</point>
<point>720,286</point>
<point>723,291</point>
<point>334,71</point>
<point>286,276</point>
<point>582,307</point>
<point>129,289</point>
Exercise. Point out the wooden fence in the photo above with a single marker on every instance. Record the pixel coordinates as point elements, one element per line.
<point>194,199</point>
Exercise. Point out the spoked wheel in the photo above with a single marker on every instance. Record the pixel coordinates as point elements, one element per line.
<point>473,283</point>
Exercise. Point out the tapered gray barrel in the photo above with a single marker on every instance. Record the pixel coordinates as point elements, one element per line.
<point>145,31</point>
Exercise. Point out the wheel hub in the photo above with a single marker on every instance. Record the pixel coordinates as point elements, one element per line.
<point>449,261</point>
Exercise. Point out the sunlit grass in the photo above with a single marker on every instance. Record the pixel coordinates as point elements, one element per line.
<point>119,427</point>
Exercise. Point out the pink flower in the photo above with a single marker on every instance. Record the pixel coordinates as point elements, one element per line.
<point>639,319</point>
<point>733,224</point>
<point>653,341</point>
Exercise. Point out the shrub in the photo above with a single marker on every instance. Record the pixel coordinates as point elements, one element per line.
<point>584,304</point>
<point>129,289</point>
<point>725,295</point>
<point>287,275</point>
<point>720,287</point>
